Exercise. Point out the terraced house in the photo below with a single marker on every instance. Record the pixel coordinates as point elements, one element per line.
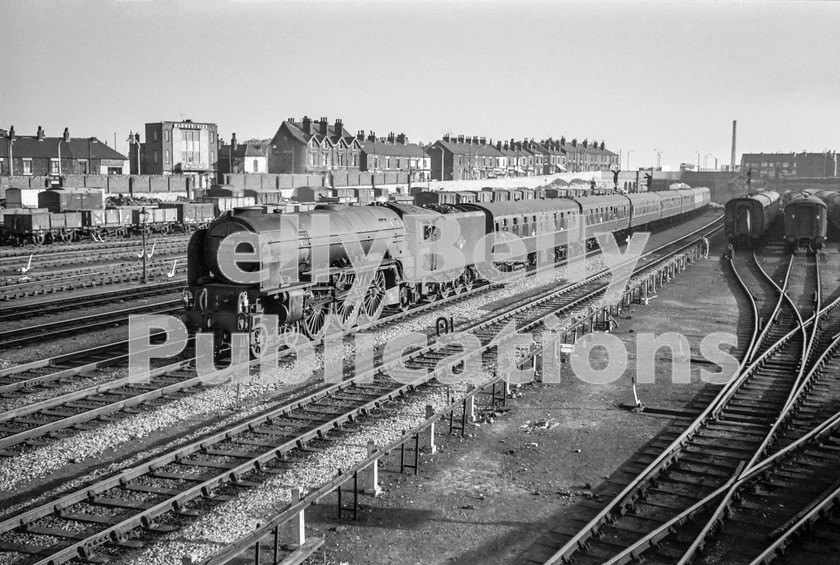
<point>309,146</point>
<point>394,153</point>
<point>39,155</point>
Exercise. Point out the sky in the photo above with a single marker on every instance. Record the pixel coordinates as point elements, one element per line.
<point>642,76</point>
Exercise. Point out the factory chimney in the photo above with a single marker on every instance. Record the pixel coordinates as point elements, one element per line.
<point>734,128</point>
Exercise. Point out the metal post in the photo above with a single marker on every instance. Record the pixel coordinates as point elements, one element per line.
<point>429,433</point>
<point>143,215</point>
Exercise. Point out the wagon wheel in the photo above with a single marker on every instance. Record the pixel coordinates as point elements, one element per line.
<point>66,237</point>
<point>165,228</point>
<point>37,238</point>
<point>432,296</point>
<point>314,322</point>
<point>374,300</point>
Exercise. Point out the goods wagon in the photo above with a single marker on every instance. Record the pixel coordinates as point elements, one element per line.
<point>70,199</point>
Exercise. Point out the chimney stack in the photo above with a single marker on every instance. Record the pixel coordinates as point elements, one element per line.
<point>40,133</point>
<point>446,137</point>
<point>391,137</point>
<point>734,130</point>
<point>339,128</point>
<point>324,126</point>
<point>372,136</point>
<point>11,132</point>
<point>67,134</point>
<point>460,138</point>
<point>360,135</point>
<point>307,125</point>
<point>402,139</point>
<point>482,140</point>
<point>475,140</point>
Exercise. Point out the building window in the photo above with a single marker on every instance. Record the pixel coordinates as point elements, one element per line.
<point>2,166</point>
<point>27,166</point>
<point>53,166</point>
<point>166,135</point>
<point>312,158</point>
<point>166,156</point>
<point>398,162</point>
<point>154,135</point>
<point>387,162</point>
<point>155,156</point>
<point>256,166</point>
<point>355,159</point>
<point>213,137</point>
<point>83,166</point>
<point>341,159</point>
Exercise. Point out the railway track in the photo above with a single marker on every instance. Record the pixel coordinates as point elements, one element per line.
<point>92,276</point>
<point>55,263</point>
<point>52,306</point>
<point>650,518</point>
<point>11,255</point>
<point>82,523</point>
<point>110,319</point>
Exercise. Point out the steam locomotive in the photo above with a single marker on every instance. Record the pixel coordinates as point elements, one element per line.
<point>302,270</point>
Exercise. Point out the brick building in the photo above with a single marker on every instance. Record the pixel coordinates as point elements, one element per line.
<point>309,146</point>
<point>782,165</point>
<point>394,153</point>
<point>183,148</point>
<point>39,155</point>
<point>464,158</point>
<point>599,158</point>
<point>250,156</point>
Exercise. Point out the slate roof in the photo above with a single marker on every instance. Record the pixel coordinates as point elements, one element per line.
<point>295,129</point>
<point>251,148</point>
<point>468,148</point>
<point>393,149</point>
<point>30,147</point>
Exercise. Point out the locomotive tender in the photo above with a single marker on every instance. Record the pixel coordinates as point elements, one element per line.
<point>747,218</point>
<point>302,269</point>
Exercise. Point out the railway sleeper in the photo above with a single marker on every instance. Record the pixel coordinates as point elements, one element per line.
<point>91,518</point>
<point>119,503</point>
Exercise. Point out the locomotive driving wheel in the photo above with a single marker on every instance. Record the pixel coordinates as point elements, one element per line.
<point>342,312</point>
<point>314,322</point>
<point>374,300</point>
